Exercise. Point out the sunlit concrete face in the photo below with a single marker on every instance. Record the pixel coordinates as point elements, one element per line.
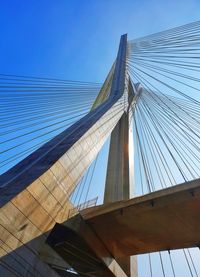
<point>35,193</point>
<point>35,210</point>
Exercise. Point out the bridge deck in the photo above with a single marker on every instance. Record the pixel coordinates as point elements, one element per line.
<point>163,220</point>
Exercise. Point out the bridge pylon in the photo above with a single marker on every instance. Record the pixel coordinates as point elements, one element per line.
<point>119,183</point>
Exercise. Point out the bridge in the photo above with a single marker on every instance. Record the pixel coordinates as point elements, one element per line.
<point>52,135</point>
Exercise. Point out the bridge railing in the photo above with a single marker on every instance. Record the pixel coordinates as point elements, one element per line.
<point>88,204</point>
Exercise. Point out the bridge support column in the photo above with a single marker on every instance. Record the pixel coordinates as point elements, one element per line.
<point>119,178</point>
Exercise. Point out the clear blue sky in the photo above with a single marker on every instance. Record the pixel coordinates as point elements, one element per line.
<point>78,40</point>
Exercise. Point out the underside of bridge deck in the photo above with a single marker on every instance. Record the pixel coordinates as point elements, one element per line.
<point>163,220</point>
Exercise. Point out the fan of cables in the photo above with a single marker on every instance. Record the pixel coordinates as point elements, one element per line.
<point>34,110</point>
<point>166,123</point>
<point>167,115</point>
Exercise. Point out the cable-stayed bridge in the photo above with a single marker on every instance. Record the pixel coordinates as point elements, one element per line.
<point>52,135</point>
